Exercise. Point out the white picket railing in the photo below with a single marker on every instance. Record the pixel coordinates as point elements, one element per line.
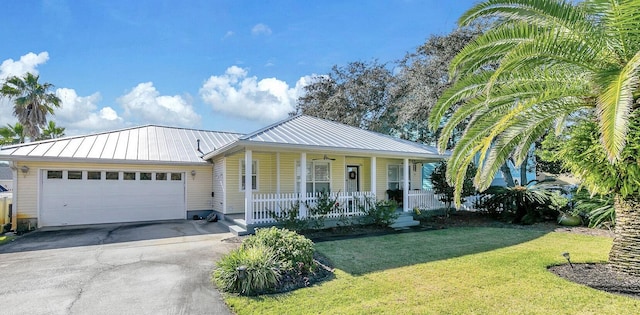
<point>424,200</point>
<point>346,204</point>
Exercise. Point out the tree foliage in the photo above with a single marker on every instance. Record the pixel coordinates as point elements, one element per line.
<point>51,131</point>
<point>540,61</point>
<point>357,94</point>
<point>12,134</point>
<point>446,191</point>
<point>422,78</point>
<point>32,101</point>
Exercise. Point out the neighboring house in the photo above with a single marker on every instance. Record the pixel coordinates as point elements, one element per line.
<point>6,177</point>
<point>157,173</point>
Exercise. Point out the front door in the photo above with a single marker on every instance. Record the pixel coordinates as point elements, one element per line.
<point>353,178</point>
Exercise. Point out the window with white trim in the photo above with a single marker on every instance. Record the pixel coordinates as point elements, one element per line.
<point>254,175</point>
<point>395,176</point>
<point>318,176</point>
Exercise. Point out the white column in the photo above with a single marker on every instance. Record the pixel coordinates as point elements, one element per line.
<point>14,197</point>
<point>374,184</point>
<point>303,184</point>
<point>248,197</point>
<point>278,172</point>
<point>405,187</point>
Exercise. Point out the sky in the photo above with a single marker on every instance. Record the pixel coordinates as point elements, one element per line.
<point>234,65</point>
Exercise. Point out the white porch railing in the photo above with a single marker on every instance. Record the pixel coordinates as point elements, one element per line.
<point>347,204</point>
<point>424,200</point>
<point>427,200</point>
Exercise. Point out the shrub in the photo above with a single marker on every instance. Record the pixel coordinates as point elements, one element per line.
<point>290,248</point>
<point>261,270</point>
<point>380,213</point>
<point>318,211</point>
<point>290,218</point>
<point>445,191</point>
<point>598,209</point>
<point>521,204</point>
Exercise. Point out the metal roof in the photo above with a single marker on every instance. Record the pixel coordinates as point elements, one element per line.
<point>143,144</point>
<point>314,133</point>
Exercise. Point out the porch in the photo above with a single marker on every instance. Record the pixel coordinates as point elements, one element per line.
<point>346,204</point>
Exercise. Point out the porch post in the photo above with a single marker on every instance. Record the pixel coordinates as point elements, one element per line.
<point>303,185</point>
<point>278,172</point>
<point>405,187</point>
<point>248,187</point>
<point>374,184</point>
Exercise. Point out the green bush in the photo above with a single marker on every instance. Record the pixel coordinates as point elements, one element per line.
<point>290,218</point>
<point>291,249</point>
<point>261,270</point>
<point>381,213</point>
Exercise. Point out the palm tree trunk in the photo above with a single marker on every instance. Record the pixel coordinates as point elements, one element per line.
<point>625,252</point>
<point>506,174</point>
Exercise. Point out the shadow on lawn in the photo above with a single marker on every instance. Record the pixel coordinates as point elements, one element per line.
<point>359,256</point>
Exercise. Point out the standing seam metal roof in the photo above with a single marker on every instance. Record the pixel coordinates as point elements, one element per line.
<point>311,131</point>
<point>140,144</point>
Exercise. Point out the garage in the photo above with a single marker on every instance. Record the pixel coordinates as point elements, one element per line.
<point>71,197</point>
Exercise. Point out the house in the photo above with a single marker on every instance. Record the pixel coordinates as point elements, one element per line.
<point>158,173</point>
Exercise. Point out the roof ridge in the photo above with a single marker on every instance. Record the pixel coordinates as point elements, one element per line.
<point>269,127</point>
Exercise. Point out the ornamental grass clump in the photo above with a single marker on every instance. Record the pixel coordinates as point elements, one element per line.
<point>266,262</point>
<point>247,270</point>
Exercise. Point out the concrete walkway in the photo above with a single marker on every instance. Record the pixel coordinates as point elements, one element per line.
<point>152,268</point>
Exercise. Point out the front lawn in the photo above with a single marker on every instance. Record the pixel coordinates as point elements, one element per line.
<point>451,271</point>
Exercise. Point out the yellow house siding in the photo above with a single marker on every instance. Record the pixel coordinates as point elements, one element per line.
<point>266,178</point>
<point>198,188</point>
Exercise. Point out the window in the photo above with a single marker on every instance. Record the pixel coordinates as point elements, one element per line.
<point>318,176</point>
<point>395,177</point>
<point>145,176</point>
<point>176,176</point>
<point>112,175</point>
<point>161,176</point>
<point>254,175</point>
<point>54,174</point>
<point>129,175</point>
<point>74,175</point>
<point>95,175</point>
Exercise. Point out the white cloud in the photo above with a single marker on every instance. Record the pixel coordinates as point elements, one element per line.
<point>228,34</point>
<point>145,104</point>
<point>26,63</point>
<point>261,29</point>
<point>80,115</point>
<point>236,94</point>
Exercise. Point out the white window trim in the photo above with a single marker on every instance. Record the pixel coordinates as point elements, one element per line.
<point>240,181</point>
<point>400,180</point>
<point>313,180</point>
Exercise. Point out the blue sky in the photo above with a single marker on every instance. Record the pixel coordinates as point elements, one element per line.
<point>217,65</point>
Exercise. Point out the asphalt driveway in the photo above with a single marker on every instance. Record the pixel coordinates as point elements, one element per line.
<point>152,268</point>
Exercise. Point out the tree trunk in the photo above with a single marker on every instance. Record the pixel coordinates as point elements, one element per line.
<point>506,174</point>
<point>523,172</point>
<point>625,252</point>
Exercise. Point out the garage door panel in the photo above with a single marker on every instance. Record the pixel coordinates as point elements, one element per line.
<point>69,202</point>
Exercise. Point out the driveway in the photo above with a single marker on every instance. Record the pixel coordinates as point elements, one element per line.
<point>147,268</point>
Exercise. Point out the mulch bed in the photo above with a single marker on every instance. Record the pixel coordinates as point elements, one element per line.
<point>600,277</point>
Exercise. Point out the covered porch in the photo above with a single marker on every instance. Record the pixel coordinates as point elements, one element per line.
<point>354,182</point>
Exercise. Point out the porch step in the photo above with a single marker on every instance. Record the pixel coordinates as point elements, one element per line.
<point>238,230</point>
<point>404,221</point>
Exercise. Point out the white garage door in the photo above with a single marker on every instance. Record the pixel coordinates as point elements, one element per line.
<point>87,197</point>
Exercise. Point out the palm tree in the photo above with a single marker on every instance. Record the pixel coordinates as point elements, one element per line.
<point>32,101</point>
<point>12,134</point>
<point>51,131</point>
<point>541,62</point>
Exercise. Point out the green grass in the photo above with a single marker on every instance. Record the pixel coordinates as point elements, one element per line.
<point>452,271</point>
<point>6,239</point>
